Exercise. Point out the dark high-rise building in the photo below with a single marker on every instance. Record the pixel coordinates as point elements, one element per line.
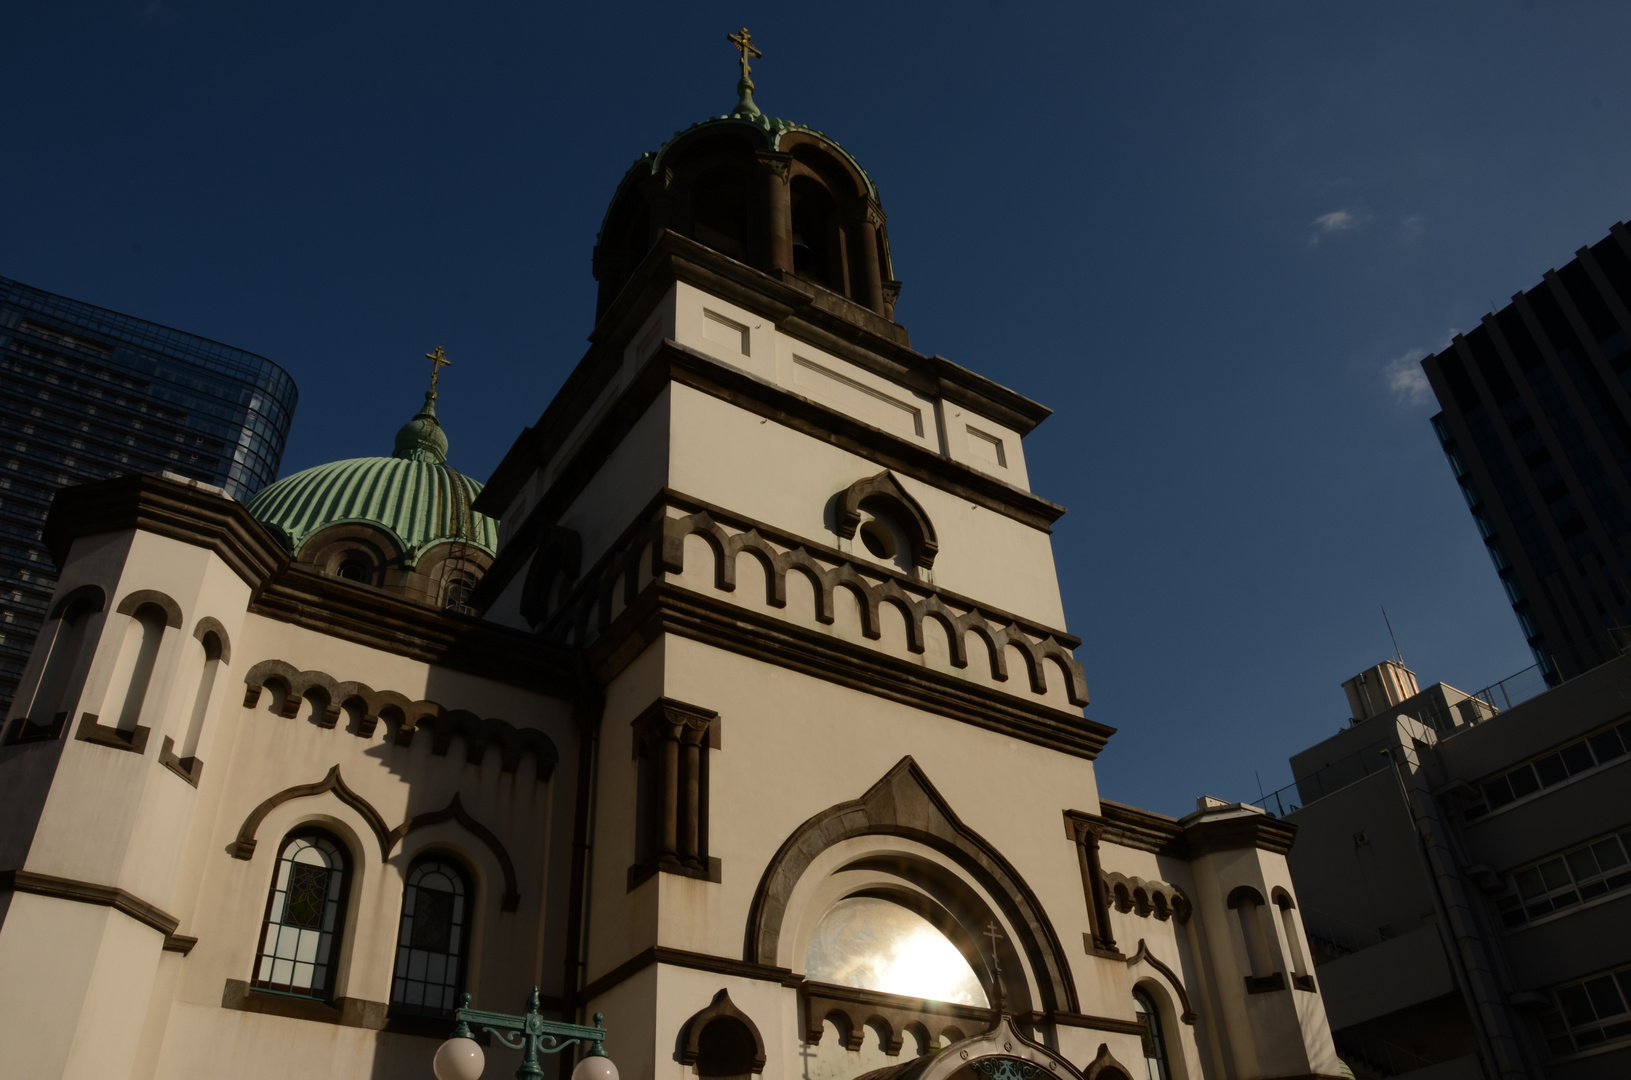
<point>1536,423</point>
<point>87,394</point>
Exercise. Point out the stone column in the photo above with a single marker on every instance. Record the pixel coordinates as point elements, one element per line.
<point>869,290</point>
<point>776,207</point>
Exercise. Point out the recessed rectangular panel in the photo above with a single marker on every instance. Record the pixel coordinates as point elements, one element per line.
<point>727,332</point>
<point>986,447</point>
<point>863,402</point>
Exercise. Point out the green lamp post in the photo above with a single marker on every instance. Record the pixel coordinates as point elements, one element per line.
<point>460,1057</point>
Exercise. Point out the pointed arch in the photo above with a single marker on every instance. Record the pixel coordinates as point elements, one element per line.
<point>722,1009</point>
<point>455,811</point>
<point>1144,956</point>
<point>911,517</point>
<point>244,846</point>
<point>904,803</point>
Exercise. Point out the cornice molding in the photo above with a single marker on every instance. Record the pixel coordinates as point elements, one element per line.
<point>676,363</point>
<point>825,321</point>
<point>1143,830</point>
<point>671,609</point>
<point>167,508</point>
<point>1242,831</point>
<point>299,595</point>
<point>89,892</point>
<point>371,617</point>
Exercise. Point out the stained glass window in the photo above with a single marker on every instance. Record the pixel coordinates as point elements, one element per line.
<point>871,943</point>
<point>1154,1039</point>
<point>432,941</point>
<point>305,914</point>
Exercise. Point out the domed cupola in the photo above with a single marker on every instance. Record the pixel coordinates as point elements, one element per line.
<point>781,197</point>
<point>402,523</point>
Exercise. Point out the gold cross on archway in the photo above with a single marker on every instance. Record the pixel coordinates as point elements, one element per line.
<point>744,44</point>
<point>438,360</point>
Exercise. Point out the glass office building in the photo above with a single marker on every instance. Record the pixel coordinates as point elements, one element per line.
<point>87,394</point>
<point>1537,429</point>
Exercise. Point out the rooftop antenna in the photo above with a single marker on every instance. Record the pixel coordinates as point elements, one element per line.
<point>1391,634</point>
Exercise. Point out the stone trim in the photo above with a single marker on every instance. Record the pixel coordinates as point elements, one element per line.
<point>346,1012</point>
<point>796,311</point>
<point>179,943</point>
<point>1086,830</point>
<point>722,1005</point>
<point>134,740</point>
<point>165,508</point>
<point>1142,830</point>
<point>1171,976</point>
<point>655,525</point>
<point>406,715</point>
<point>885,486</point>
<point>670,609</point>
<point>717,965</point>
<point>1147,897</point>
<point>244,846</point>
<point>298,595</point>
<point>133,601</point>
<point>84,593</point>
<point>455,811</point>
<point>88,892</point>
<point>672,740</point>
<point>893,1012</point>
<point>188,768</point>
<point>904,803</point>
<point>376,619</point>
<point>1245,831</point>
<point>675,363</point>
<point>1105,1062</point>
<point>211,625</point>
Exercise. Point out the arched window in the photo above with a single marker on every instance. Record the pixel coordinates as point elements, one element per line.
<point>211,644</point>
<point>355,569</point>
<point>137,656</point>
<point>434,939</point>
<point>874,944</point>
<point>1155,1040</point>
<point>48,711</point>
<point>305,916</point>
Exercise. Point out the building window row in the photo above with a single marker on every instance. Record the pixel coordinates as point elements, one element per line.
<point>1588,1014</point>
<point>1574,877</point>
<point>1598,748</point>
<point>304,926</point>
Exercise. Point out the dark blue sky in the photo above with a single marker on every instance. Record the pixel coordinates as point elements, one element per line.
<point>1213,238</point>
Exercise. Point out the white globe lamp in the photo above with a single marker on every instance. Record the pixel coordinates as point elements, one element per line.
<point>595,1067</point>
<point>460,1059</point>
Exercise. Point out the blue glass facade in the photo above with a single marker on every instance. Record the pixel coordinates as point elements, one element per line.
<point>87,394</point>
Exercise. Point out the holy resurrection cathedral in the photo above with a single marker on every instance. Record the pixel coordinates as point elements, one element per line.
<point>737,705</point>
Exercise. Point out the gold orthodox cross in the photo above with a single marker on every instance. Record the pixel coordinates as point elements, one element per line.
<point>995,935</point>
<point>438,361</point>
<point>744,44</point>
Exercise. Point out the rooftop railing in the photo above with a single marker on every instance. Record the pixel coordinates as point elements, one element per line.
<point>1498,696</point>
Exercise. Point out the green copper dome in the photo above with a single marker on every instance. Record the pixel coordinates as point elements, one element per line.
<point>414,495</point>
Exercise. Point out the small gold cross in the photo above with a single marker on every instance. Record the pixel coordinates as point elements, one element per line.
<point>744,44</point>
<point>438,360</point>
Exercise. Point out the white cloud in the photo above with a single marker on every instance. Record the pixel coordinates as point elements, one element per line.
<point>1411,228</point>
<point>1406,379</point>
<point>1337,221</point>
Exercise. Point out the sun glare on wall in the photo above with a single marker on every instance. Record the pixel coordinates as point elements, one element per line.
<point>873,944</point>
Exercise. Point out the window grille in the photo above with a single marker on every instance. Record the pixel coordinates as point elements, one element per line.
<point>1596,749</point>
<point>305,915</point>
<point>1588,1014</point>
<point>1573,877</point>
<point>433,940</point>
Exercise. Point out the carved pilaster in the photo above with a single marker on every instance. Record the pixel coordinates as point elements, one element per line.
<point>671,740</point>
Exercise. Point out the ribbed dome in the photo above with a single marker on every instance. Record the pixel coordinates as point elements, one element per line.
<point>415,497</point>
